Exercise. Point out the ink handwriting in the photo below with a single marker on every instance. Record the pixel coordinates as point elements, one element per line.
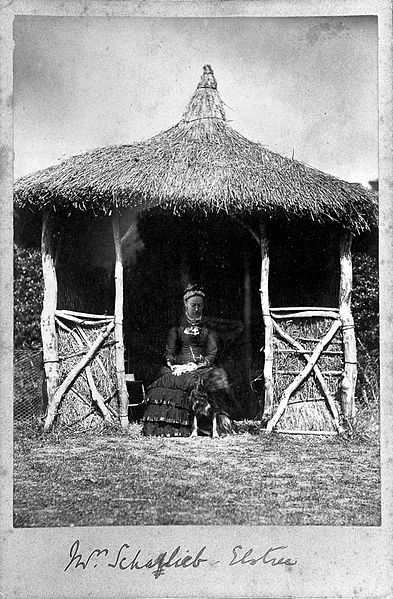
<point>160,562</point>
<point>125,558</point>
<point>249,557</point>
<point>124,562</point>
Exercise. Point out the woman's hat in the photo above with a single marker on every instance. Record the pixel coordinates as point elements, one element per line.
<point>192,290</point>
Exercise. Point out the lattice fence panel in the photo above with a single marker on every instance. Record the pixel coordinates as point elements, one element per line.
<point>28,381</point>
<point>77,408</point>
<point>307,408</point>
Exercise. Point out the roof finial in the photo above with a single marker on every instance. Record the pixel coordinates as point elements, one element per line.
<point>208,79</point>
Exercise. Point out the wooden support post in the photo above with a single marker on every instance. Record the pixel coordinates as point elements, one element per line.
<point>48,326</point>
<point>349,339</point>
<point>120,371</point>
<point>268,324</point>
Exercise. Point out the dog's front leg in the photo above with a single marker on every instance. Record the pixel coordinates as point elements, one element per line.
<point>215,433</point>
<point>194,427</point>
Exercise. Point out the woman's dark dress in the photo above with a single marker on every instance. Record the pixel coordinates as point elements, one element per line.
<point>168,406</point>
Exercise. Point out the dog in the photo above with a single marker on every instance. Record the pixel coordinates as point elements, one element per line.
<point>207,403</point>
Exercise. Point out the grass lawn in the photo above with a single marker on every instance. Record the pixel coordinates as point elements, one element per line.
<point>117,478</point>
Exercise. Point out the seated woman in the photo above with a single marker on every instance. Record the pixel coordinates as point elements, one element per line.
<point>191,349</point>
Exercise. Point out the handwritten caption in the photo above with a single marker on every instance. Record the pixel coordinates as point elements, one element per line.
<point>125,558</point>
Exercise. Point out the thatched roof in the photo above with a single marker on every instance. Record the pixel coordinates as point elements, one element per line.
<point>199,163</point>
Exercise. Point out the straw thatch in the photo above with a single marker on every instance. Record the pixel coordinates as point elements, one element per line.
<point>199,163</point>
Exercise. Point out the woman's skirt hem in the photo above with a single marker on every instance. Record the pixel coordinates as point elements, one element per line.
<point>168,407</point>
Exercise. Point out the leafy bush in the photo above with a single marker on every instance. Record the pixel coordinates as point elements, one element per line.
<point>28,292</point>
<point>365,301</point>
<point>365,304</point>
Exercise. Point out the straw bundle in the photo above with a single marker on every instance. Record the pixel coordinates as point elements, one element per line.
<point>77,410</point>
<point>307,408</point>
<point>200,163</point>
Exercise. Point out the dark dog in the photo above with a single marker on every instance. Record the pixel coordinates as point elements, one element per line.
<point>207,402</point>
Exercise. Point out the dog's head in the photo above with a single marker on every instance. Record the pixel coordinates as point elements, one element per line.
<point>200,404</point>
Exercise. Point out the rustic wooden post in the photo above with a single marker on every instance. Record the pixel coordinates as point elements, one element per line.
<point>120,372</point>
<point>268,324</point>
<point>349,339</point>
<point>48,326</point>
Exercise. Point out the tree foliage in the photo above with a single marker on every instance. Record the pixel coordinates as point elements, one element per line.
<point>28,291</point>
<point>365,301</point>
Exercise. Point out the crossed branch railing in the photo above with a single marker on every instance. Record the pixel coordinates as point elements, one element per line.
<point>311,365</point>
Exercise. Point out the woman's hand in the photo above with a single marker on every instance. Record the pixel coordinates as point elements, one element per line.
<point>180,368</point>
<point>203,363</point>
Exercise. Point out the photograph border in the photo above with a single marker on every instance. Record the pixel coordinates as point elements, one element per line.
<point>330,561</point>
